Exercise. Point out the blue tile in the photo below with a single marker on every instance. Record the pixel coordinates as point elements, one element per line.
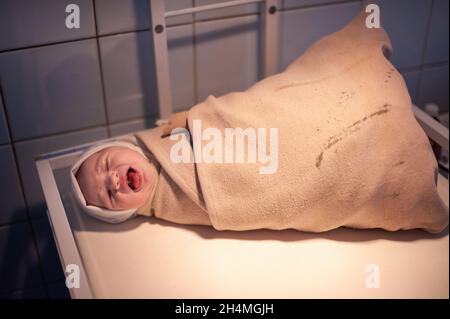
<point>181,64</point>
<point>129,76</point>
<point>116,16</point>
<point>58,291</point>
<point>433,87</point>
<point>25,23</point>
<point>406,22</point>
<point>227,55</point>
<point>299,29</point>
<point>4,135</point>
<point>28,150</point>
<point>131,126</point>
<point>11,198</point>
<point>437,44</point>
<point>36,293</point>
<point>412,80</point>
<point>247,9</point>
<point>52,89</point>
<point>48,253</point>
<point>19,266</point>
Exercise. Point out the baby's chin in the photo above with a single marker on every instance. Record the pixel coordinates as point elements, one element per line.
<point>137,199</point>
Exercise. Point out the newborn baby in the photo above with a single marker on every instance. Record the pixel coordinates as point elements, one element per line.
<point>350,152</point>
<point>117,178</point>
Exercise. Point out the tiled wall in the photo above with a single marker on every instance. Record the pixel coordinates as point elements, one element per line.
<point>61,87</point>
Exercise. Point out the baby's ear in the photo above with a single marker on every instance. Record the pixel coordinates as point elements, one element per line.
<point>78,173</point>
<point>79,178</point>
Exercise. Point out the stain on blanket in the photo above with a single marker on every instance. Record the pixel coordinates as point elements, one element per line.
<point>345,96</point>
<point>389,75</point>
<point>349,130</point>
<point>319,159</point>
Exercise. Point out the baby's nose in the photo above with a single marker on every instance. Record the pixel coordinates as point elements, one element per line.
<point>114,180</point>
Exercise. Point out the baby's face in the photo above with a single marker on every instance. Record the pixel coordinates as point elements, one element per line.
<point>116,178</point>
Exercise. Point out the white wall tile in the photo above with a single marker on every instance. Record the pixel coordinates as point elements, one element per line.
<point>129,76</point>
<point>181,64</point>
<point>227,55</point>
<point>52,89</point>
<point>25,23</point>
<point>115,16</point>
<point>299,29</point>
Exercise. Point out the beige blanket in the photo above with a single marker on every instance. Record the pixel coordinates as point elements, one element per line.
<point>350,151</point>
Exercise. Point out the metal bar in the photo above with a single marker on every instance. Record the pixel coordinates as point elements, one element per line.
<point>270,37</point>
<point>435,130</point>
<point>65,242</point>
<point>209,7</point>
<point>161,58</point>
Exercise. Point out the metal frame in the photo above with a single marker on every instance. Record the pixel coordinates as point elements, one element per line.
<point>435,130</point>
<point>158,21</point>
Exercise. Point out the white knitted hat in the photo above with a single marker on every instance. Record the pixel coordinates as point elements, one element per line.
<point>107,215</point>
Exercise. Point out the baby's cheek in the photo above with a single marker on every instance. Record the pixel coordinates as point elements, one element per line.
<point>133,200</point>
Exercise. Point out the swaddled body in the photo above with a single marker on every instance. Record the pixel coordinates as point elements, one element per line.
<point>350,152</point>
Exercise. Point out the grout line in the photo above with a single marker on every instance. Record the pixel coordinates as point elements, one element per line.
<point>102,78</point>
<point>43,45</point>
<point>61,133</point>
<point>22,188</point>
<point>14,222</point>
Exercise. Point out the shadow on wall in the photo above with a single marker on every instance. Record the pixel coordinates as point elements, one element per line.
<point>19,266</point>
<point>23,269</point>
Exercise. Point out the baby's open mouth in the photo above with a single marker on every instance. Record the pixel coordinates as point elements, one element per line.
<point>133,179</point>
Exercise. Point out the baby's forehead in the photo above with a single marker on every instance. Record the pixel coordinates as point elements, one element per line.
<point>93,159</point>
<point>104,151</point>
<point>91,162</point>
